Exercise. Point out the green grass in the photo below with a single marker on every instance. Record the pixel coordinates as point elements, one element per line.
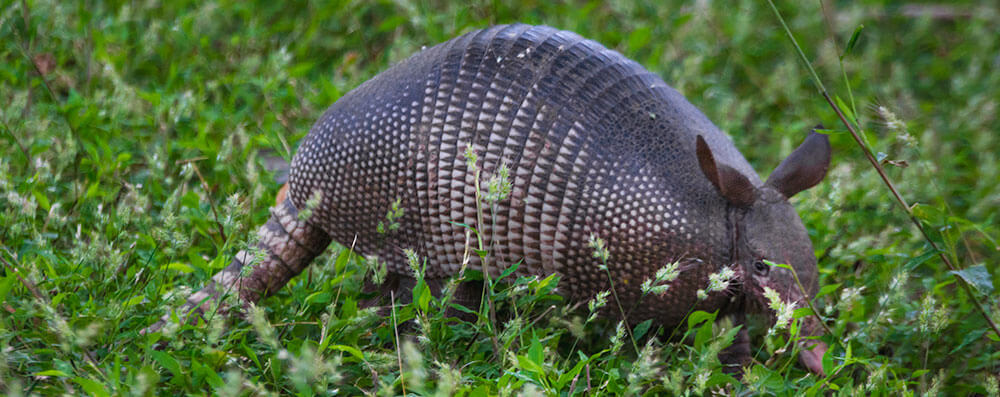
<point>132,138</point>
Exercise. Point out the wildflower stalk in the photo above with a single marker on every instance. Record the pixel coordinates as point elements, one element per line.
<point>601,252</point>
<point>471,159</point>
<point>204,185</point>
<point>395,331</point>
<point>881,172</point>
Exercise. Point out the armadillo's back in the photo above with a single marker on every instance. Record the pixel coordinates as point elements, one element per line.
<point>594,142</point>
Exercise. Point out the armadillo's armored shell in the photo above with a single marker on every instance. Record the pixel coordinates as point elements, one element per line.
<point>596,145</point>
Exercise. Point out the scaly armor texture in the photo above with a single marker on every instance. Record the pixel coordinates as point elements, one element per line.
<point>596,145</point>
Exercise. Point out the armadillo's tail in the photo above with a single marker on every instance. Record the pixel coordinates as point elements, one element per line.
<point>286,245</point>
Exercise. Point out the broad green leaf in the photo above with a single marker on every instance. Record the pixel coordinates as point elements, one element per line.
<point>704,333</point>
<point>545,282</point>
<point>391,23</point>
<point>180,267</point>
<point>525,363</point>
<point>6,284</point>
<point>509,270</point>
<point>207,373</point>
<point>920,259</point>
<point>422,295</point>
<point>92,387</point>
<point>135,300</point>
<point>642,328</point>
<point>216,264</point>
<point>168,362</point>
<point>730,335</point>
<point>42,200</point>
<point>319,298</point>
<point>827,361</point>
<point>93,189</point>
<point>697,317</point>
<point>978,276</point>
<point>341,262</point>
<point>720,378</point>
<point>568,376</point>
<point>149,373</point>
<point>802,312</point>
<point>535,351</point>
<point>826,289</point>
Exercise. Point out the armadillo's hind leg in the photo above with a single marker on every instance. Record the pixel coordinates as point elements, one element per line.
<point>286,245</point>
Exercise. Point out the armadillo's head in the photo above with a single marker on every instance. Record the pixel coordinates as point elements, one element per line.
<point>767,228</point>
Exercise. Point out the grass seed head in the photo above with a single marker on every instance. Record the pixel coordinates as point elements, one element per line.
<point>782,310</point>
<point>600,250</point>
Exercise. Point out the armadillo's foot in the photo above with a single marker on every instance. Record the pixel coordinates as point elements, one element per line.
<point>737,355</point>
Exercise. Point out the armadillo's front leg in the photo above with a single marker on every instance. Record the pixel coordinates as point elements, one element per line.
<point>286,245</point>
<point>737,355</point>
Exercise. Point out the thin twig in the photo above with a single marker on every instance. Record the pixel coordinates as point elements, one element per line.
<point>204,185</point>
<point>45,83</point>
<point>26,52</point>
<point>913,218</point>
<point>24,150</point>
<point>885,178</point>
<point>27,284</point>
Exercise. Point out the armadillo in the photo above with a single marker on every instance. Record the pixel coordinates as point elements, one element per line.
<point>595,145</point>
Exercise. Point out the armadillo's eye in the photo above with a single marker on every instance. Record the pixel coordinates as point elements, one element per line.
<point>760,268</point>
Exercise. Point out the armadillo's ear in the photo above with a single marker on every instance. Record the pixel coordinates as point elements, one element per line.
<point>804,168</point>
<point>735,187</point>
